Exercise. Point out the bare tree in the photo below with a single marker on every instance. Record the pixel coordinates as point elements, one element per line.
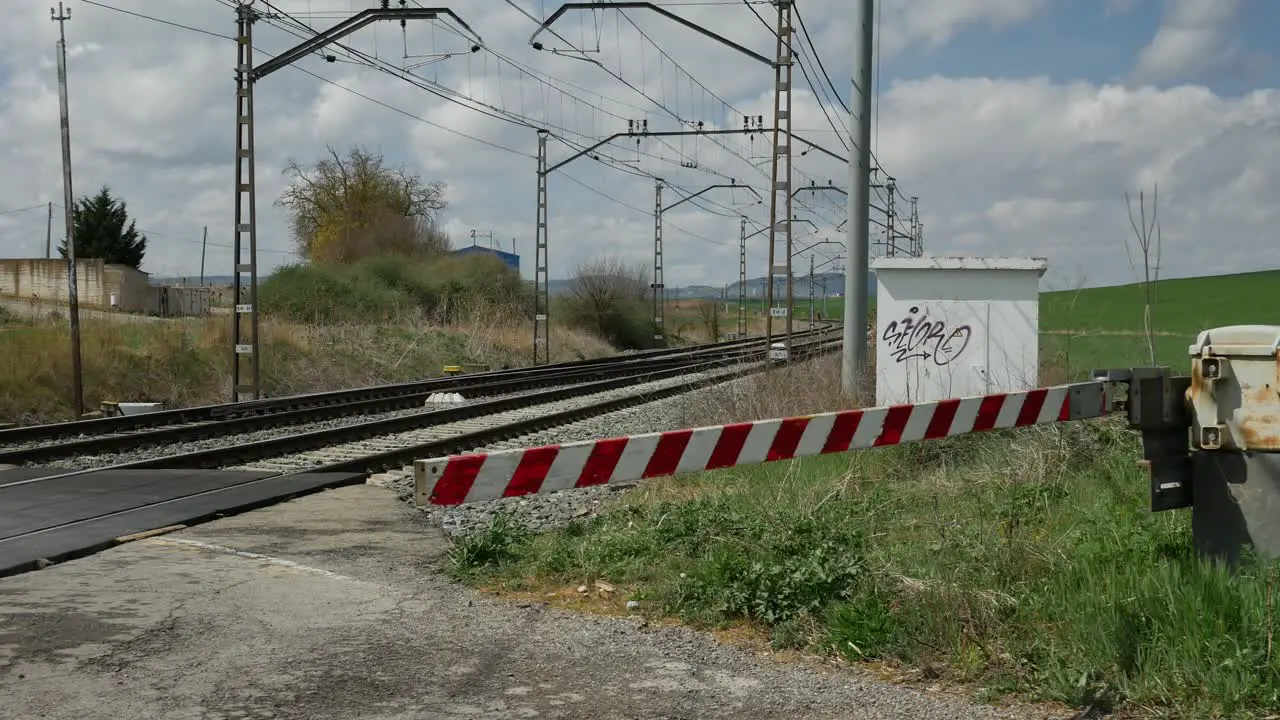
<point>709,311</point>
<point>604,282</point>
<point>608,297</point>
<point>1146,234</point>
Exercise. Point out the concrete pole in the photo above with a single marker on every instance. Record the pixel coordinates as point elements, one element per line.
<point>68,197</point>
<point>204,242</point>
<point>854,360</point>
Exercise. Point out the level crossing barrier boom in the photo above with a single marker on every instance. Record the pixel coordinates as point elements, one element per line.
<point>1211,440</point>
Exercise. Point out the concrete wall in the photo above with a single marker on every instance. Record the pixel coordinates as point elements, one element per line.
<point>128,287</point>
<point>178,301</point>
<point>99,285</point>
<point>956,327</point>
<point>47,280</point>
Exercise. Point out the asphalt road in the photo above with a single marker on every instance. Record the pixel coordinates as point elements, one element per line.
<point>330,606</point>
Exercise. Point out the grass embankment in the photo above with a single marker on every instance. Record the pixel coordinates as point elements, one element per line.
<point>322,329</point>
<point>1102,327</point>
<point>1021,563</point>
<point>1017,563</point>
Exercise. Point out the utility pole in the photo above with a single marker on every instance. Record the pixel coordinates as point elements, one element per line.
<point>244,320</point>
<point>890,235</point>
<point>917,248</point>
<point>780,187</point>
<point>541,277</point>
<point>810,293</point>
<point>48,232</point>
<point>635,129</point>
<point>61,17</point>
<point>245,348</point>
<point>742,277</point>
<point>657,287</point>
<point>854,356</point>
<point>204,243</point>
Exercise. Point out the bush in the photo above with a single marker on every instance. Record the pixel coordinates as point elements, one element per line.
<point>442,289</point>
<point>611,299</point>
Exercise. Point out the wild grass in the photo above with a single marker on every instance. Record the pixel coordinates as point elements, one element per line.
<point>186,362</point>
<point>1017,563</point>
<point>442,290</point>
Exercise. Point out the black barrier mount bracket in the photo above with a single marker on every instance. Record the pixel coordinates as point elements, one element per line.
<point>1157,407</point>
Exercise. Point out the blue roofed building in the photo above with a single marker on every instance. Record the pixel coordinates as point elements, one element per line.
<point>512,260</point>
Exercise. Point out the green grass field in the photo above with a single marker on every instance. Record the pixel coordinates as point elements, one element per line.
<point>1020,563</point>
<point>1102,327</point>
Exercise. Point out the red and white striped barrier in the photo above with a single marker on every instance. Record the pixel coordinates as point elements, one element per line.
<point>509,473</point>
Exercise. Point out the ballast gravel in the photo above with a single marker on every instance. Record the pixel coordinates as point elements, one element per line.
<point>86,462</point>
<point>541,512</point>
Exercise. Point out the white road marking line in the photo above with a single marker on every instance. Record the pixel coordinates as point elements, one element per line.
<point>281,562</point>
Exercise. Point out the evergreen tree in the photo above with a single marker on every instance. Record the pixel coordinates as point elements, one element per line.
<point>103,230</point>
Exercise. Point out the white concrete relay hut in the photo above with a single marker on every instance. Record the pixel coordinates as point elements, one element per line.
<point>949,327</point>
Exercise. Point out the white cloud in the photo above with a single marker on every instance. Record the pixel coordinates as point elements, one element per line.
<point>1193,40</point>
<point>1011,167</point>
<point>936,22</point>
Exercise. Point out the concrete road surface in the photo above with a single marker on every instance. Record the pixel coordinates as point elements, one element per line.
<point>330,607</point>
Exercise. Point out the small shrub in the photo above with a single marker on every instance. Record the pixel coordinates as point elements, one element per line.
<point>611,299</point>
<point>492,547</point>
<point>442,289</point>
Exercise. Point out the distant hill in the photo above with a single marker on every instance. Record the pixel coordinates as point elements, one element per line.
<point>755,286</point>
<point>834,283</point>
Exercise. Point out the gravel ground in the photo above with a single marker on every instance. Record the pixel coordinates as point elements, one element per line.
<point>544,511</point>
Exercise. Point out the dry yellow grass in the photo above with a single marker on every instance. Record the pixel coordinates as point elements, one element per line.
<point>187,362</point>
<point>802,388</point>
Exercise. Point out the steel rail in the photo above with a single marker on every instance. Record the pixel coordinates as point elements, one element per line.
<point>230,455</point>
<point>226,411</point>
<point>466,442</point>
<point>359,406</point>
<point>316,440</point>
<point>351,472</point>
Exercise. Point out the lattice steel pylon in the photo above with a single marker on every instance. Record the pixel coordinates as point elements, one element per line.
<point>890,214</point>
<point>246,358</point>
<point>780,189</point>
<point>541,277</point>
<point>742,278</point>
<point>810,293</point>
<point>917,247</point>
<point>658,287</point>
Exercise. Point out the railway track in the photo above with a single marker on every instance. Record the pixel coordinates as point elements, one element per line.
<point>379,444</point>
<point>21,438</point>
<point>105,499</point>
<point>168,427</point>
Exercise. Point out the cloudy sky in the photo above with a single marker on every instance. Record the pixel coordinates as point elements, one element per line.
<point>1019,125</point>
